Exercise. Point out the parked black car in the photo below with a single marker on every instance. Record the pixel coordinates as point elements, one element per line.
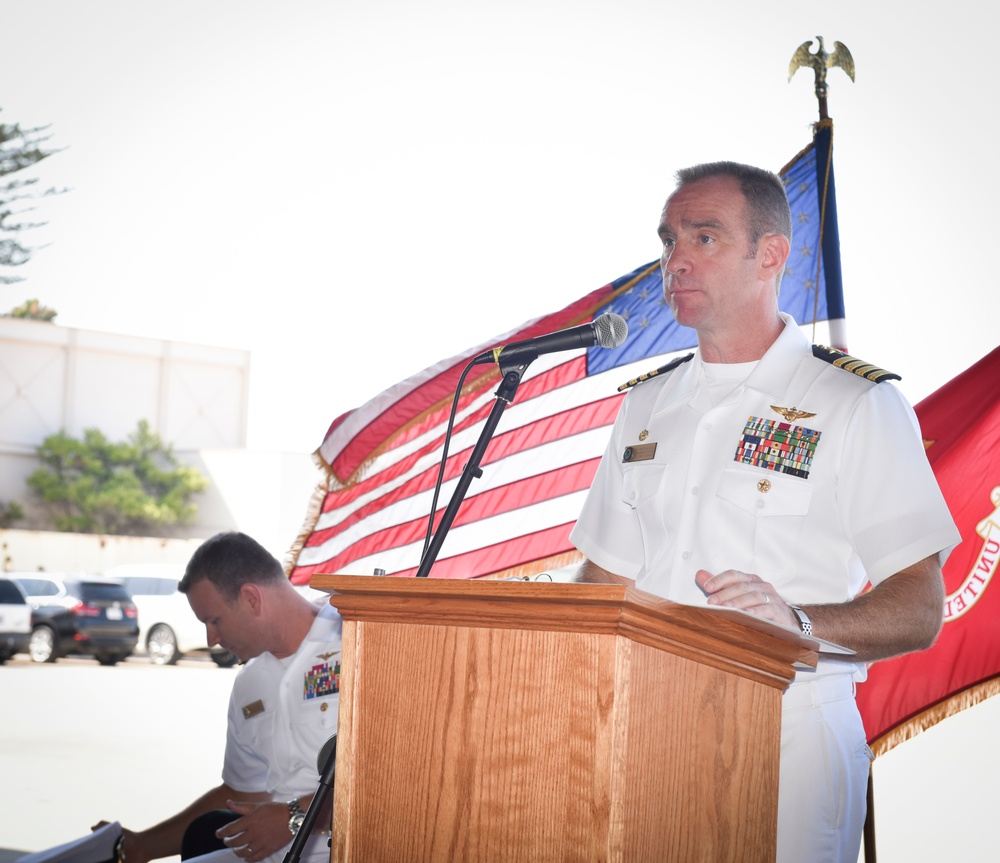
<point>15,620</point>
<point>79,615</point>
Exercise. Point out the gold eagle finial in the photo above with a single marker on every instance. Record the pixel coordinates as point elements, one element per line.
<point>819,63</point>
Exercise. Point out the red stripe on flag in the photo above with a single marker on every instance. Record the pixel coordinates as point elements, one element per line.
<point>504,555</point>
<point>560,376</point>
<point>383,419</point>
<point>507,498</point>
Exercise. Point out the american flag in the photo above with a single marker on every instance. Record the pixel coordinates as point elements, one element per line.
<point>382,460</point>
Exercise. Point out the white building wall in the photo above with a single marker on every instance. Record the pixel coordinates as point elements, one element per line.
<point>56,378</point>
<point>195,397</point>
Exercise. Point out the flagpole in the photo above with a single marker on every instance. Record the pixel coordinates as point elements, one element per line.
<point>869,833</point>
<point>819,62</point>
<point>828,254</point>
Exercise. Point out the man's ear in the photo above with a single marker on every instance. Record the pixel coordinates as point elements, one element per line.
<point>774,250</point>
<point>251,594</point>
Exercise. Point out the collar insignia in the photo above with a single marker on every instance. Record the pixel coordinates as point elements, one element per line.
<point>791,414</point>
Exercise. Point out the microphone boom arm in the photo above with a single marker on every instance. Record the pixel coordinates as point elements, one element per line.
<point>512,373</point>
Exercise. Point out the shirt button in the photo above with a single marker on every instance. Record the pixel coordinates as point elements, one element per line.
<point>708,426</point>
<point>759,504</point>
<point>685,555</point>
<point>694,490</point>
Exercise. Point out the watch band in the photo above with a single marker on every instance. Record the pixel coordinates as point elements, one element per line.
<point>295,816</point>
<point>805,624</point>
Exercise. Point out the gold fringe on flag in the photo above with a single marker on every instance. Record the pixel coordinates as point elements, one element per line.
<point>309,523</point>
<point>933,715</point>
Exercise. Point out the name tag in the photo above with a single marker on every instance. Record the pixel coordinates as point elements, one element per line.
<point>253,709</point>
<point>639,452</point>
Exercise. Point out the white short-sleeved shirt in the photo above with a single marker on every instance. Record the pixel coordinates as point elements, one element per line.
<point>281,713</point>
<point>818,505</point>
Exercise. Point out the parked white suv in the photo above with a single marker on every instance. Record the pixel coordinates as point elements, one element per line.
<point>15,620</point>
<point>168,628</point>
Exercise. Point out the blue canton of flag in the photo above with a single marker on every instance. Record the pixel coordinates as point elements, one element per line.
<point>652,330</point>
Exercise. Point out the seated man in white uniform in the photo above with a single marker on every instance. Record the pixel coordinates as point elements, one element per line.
<point>282,710</point>
<point>764,474</point>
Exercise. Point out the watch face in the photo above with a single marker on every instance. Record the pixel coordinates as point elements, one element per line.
<point>295,822</point>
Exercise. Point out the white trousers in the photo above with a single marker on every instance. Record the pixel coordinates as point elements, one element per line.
<point>823,774</point>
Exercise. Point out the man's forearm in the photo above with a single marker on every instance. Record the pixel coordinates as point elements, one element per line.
<point>901,615</point>
<point>164,839</point>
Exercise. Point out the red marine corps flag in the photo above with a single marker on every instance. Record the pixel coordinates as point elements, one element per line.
<point>960,424</point>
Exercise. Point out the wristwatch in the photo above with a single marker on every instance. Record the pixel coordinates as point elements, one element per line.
<point>295,816</point>
<point>805,624</point>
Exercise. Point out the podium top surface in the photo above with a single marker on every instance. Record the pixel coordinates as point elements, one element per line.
<point>592,608</point>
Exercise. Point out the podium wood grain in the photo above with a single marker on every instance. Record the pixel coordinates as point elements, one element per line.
<point>511,721</point>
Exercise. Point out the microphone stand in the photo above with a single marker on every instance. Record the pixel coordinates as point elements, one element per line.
<point>327,774</point>
<point>505,395</point>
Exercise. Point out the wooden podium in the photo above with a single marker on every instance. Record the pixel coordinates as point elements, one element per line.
<point>527,721</point>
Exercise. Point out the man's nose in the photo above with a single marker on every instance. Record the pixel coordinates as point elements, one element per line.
<point>674,262</point>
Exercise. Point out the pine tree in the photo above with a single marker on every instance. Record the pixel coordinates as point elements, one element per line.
<point>20,149</point>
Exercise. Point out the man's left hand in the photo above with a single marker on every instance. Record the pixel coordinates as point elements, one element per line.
<point>261,831</point>
<point>747,592</point>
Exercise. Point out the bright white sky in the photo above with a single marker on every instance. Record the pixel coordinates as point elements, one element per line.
<point>355,190</point>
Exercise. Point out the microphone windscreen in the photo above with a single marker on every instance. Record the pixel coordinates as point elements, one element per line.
<point>610,330</point>
<point>329,749</point>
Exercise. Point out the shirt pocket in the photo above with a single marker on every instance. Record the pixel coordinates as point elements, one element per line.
<point>771,513</point>
<point>643,487</point>
<point>764,494</point>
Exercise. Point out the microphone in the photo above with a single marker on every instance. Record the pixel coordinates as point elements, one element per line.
<point>607,331</point>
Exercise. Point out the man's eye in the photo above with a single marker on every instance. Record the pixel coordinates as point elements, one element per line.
<point>668,243</point>
<point>704,239</point>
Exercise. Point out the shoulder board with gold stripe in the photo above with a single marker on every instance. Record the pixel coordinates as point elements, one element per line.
<point>853,364</point>
<point>669,367</point>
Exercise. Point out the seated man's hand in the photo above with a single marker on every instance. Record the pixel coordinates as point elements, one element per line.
<point>261,831</point>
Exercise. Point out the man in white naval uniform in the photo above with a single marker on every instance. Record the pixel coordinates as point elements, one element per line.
<point>282,710</point>
<point>763,474</point>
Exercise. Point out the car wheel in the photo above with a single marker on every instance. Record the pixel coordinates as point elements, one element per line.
<point>42,646</point>
<point>224,659</point>
<point>161,645</point>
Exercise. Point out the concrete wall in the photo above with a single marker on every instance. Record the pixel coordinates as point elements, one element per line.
<point>195,397</point>
<point>56,379</point>
<point>31,550</point>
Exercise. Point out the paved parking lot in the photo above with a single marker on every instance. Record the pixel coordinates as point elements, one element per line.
<point>80,743</point>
